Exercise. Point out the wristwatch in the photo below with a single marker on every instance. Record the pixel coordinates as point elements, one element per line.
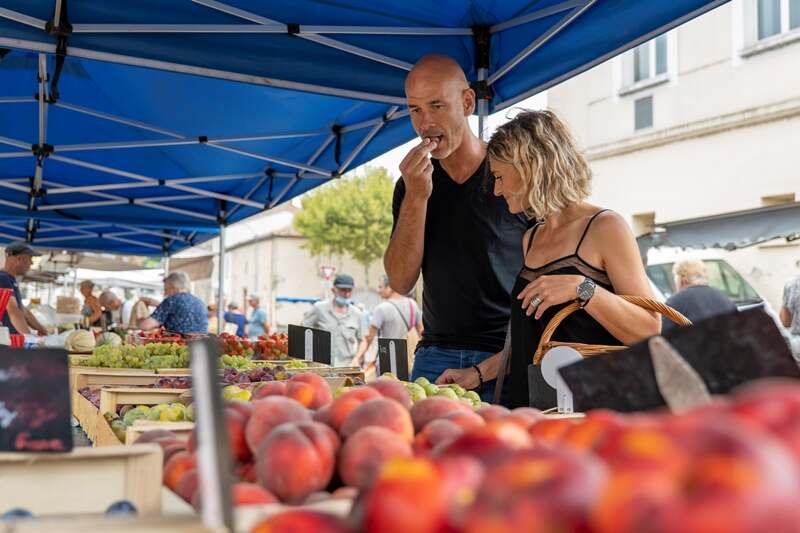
<point>585,291</point>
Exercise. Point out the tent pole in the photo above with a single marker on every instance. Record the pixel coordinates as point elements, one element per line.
<point>483,107</point>
<point>221,282</point>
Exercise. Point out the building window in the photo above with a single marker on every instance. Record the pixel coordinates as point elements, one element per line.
<point>768,21</point>
<point>646,65</point>
<point>643,113</point>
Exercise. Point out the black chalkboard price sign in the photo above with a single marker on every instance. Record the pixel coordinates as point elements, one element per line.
<point>34,401</point>
<point>393,357</point>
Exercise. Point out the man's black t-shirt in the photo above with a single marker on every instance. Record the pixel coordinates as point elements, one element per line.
<point>472,254</point>
<point>7,281</point>
<point>697,303</point>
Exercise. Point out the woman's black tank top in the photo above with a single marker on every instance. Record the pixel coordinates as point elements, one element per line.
<point>526,330</point>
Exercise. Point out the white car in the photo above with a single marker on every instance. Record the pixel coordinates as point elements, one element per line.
<point>721,275</point>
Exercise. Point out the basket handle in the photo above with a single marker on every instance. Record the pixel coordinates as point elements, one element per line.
<point>644,303</point>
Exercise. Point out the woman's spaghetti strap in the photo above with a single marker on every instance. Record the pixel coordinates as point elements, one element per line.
<point>586,230</point>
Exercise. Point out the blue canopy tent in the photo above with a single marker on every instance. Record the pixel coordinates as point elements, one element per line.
<point>148,126</point>
<point>182,116</point>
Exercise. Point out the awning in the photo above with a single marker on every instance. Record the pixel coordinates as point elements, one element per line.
<point>183,116</point>
<point>730,231</point>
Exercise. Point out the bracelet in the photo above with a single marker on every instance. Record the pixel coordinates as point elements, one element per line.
<point>480,374</point>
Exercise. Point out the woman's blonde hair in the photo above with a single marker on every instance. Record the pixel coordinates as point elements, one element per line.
<point>554,173</point>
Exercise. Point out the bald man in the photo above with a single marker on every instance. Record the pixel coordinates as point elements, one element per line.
<point>449,227</point>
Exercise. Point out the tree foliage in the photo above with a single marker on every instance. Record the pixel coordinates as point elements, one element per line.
<point>352,216</point>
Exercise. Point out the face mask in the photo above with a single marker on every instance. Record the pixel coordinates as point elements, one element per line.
<point>341,301</point>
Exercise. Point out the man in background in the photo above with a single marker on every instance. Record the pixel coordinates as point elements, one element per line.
<point>180,312</point>
<point>693,297</point>
<point>394,318</point>
<point>342,318</point>
<point>233,316</point>
<point>18,319</point>
<point>258,324</point>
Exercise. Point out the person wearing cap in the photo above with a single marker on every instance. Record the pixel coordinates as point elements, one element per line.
<point>258,324</point>
<point>339,316</point>
<point>18,261</point>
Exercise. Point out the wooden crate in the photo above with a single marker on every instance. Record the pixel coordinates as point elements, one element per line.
<point>112,397</point>
<point>83,523</point>
<point>100,378</point>
<point>86,480</point>
<point>86,414</point>
<point>248,516</point>
<point>181,429</point>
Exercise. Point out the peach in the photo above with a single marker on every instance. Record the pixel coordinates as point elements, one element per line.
<point>391,388</point>
<point>303,393</point>
<point>323,415</point>
<point>429,409</point>
<point>269,413</point>
<point>737,479</point>
<point>550,430</point>
<point>269,388</point>
<point>296,459</point>
<point>299,521</point>
<point>408,496</point>
<point>171,449</point>
<point>243,408</point>
<point>365,452</point>
<point>347,402</point>
<point>237,442</point>
<point>462,478</point>
<point>546,489</point>
<point>593,430</point>
<point>467,420</point>
<point>436,432</point>
<point>250,494</point>
<point>187,486</point>
<point>493,412</point>
<point>156,435</point>
<point>176,467</point>
<point>489,443</point>
<point>322,391</point>
<point>383,412</point>
<point>246,472</point>
<point>524,416</point>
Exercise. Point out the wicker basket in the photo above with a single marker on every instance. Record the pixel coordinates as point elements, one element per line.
<point>587,350</point>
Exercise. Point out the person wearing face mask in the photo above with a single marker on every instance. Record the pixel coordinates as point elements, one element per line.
<point>451,229</point>
<point>341,318</point>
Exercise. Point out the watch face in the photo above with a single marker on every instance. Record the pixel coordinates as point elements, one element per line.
<point>585,290</point>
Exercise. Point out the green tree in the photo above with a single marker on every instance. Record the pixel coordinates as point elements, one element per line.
<point>351,216</point>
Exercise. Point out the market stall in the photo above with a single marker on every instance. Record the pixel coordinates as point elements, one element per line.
<point>303,446</point>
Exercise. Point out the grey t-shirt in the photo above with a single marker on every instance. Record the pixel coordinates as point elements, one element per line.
<point>390,325</point>
<point>791,301</point>
<point>346,330</point>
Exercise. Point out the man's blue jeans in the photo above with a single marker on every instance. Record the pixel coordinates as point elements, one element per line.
<point>432,361</point>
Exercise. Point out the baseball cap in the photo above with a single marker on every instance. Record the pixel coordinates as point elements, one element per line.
<point>20,248</point>
<point>344,281</point>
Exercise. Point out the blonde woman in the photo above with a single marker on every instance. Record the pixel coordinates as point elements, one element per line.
<point>576,251</point>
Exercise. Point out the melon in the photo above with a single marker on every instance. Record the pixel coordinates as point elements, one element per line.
<point>110,338</point>
<point>80,341</point>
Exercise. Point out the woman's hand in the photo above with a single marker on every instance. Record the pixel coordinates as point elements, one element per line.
<point>466,377</point>
<point>548,291</point>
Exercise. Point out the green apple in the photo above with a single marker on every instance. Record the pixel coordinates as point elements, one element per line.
<point>422,381</point>
<point>447,392</point>
<point>473,396</point>
<point>431,389</point>
<point>416,392</point>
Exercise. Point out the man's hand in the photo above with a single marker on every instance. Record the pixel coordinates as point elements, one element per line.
<point>466,377</point>
<point>417,170</point>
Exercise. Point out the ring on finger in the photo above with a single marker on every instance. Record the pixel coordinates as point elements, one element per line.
<point>535,303</point>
